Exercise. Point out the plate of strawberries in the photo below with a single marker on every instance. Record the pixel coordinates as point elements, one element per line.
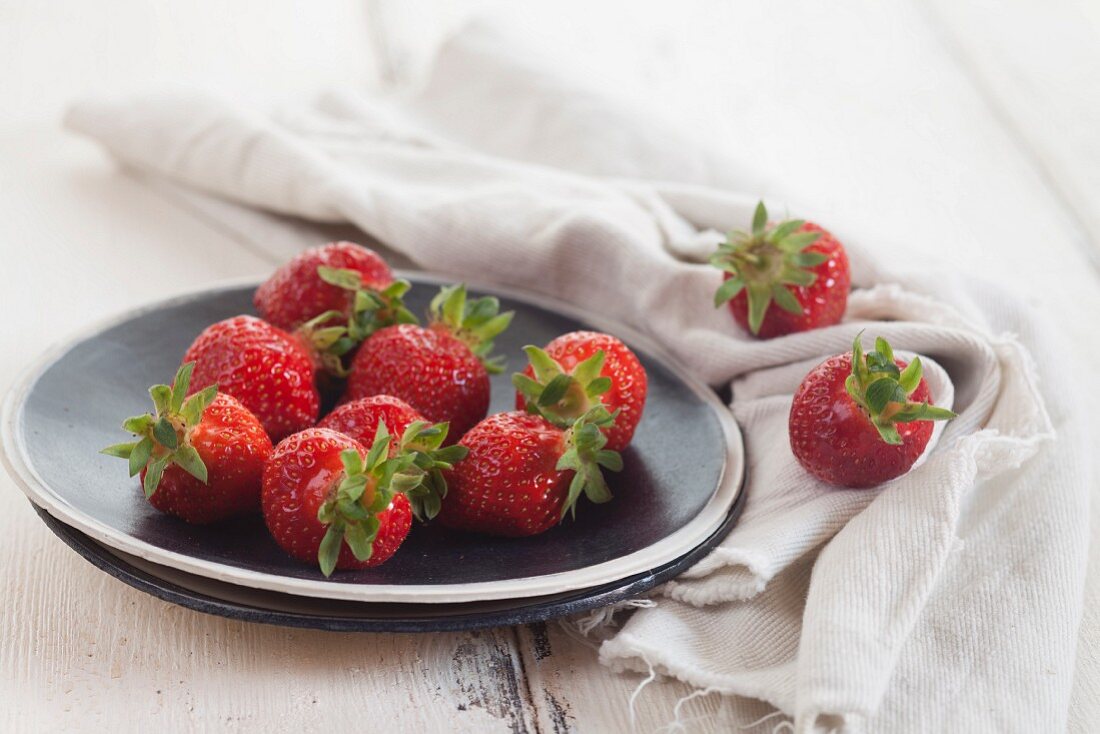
<point>343,435</point>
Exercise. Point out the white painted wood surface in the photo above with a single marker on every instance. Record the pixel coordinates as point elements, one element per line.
<point>969,128</point>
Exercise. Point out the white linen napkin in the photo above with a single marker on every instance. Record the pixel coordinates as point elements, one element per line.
<point>947,600</point>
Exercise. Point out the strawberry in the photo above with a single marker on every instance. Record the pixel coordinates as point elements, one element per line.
<point>523,473</point>
<point>267,369</point>
<point>201,458</point>
<point>329,501</point>
<point>296,293</point>
<point>442,370</point>
<point>335,297</point>
<point>860,420</point>
<point>579,370</point>
<point>361,419</point>
<point>796,264</point>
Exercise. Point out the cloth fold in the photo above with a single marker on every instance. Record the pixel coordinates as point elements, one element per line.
<point>948,599</point>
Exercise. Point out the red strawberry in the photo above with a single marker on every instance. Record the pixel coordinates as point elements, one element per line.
<point>267,369</point>
<point>361,419</point>
<point>200,458</point>
<point>333,297</point>
<point>326,500</point>
<point>443,370</point>
<point>796,264</point>
<point>579,370</point>
<point>523,474</point>
<point>295,293</point>
<point>858,421</point>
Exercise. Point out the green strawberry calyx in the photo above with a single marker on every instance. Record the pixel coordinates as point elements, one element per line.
<point>164,436</point>
<point>424,441</point>
<point>586,456</point>
<point>882,389</point>
<point>333,334</point>
<point>477,323</point>
<point>765,263</point>
<point>366,488</point>
<point>559,396</point>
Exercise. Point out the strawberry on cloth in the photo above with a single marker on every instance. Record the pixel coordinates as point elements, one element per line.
<point>923,604</point>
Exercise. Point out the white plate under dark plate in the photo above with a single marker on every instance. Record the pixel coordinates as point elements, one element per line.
<point>682,473</point>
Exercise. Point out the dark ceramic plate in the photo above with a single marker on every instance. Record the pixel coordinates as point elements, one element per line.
<point>671,497</point>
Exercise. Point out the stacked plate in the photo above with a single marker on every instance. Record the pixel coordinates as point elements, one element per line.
<point>677,496</point>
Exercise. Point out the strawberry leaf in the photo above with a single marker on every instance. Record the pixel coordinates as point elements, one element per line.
<point>351,510</point>
<point>799,241</point>
<point>883,348</point>
<point>760,297</point>
<point>859,365</point>
<point>598,387</point>
<point>139,457</point>
<point>595,487</point>
<point>555,390</point>
<point>728,291</point>
<point>180,386</point>
<point>609,460</point>
<point>796,276</point>
<point>153,475</point>
<point>576,486</point>
<point>759,219</point>
<point>188,459</point>
<point>165,433</point>
<point>809,259</point>
<point>162,398</point>
<point>786,300</point>
<point>889,433</point>
<point>911,375</point>
<point>526,386</point>
<point>543,365</point>
<point>451,454</point>
<point>119,450</point>
<point>923,412</point>
<point>139,424</point>
<point>378,449</point>
<point>340,277</point>
<point>783,229</point>
<point>353,487</point>
<point>360,541</point>
<point>194,407</point>
<point>590,369</point>
<point>882,392</point>
<point>329,551</point>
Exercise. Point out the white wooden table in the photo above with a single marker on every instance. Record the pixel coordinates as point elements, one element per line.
<point>968,128</point>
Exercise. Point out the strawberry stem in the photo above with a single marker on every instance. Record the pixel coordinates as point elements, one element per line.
<point>881,389</point>
<point>558,396</point>
<point>477,323</point>
<point>371,310</point>
<point>412,466</point>
<point>164,435</point>
<point>766,263</point>
<point>586,456</point>
<point>425,442</point>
